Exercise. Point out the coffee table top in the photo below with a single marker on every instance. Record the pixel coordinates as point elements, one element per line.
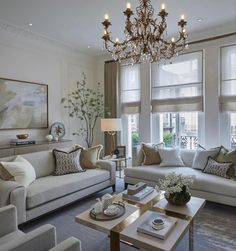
<point>150,243</point>
<point>190,210</point>
<point>104,226</point>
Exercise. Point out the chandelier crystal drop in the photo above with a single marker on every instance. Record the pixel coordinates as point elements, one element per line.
<point>145,36</point>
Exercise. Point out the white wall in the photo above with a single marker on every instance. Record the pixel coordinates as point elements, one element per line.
<point>28,57</point>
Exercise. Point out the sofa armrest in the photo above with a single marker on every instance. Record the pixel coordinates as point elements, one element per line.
<point>42,238</point>
<point>109,166</point>
<point>8,220</point>
<point>70,244</point>
<point>18,199</point>
<point>15,194</point>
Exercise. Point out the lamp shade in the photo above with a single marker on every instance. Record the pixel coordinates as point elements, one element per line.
<point>111,125</point>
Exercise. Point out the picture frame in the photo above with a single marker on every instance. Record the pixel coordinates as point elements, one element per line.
<point>121,151</point>
<point>23,105</point>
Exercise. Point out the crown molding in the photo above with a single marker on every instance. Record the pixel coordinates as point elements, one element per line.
<point>38,38</point>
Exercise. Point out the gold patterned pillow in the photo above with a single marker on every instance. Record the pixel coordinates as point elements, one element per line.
<point>90,156</point>
<point>225,155</point>
<point>151,154</point>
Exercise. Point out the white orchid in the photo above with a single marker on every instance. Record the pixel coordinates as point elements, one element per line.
<point>175,183</point>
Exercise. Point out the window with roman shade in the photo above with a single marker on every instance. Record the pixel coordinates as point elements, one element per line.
<point>178,86</point>
<point>228,79</point>
<point>130,88</point>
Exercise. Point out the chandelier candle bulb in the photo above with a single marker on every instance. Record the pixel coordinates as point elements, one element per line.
<point>163,6</point>
<point>172,39</point>
<point>182,17</point>
<point>106,17</point>
<point>128,6</point>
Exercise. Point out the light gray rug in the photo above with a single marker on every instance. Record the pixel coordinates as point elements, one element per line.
<point>215,227</point>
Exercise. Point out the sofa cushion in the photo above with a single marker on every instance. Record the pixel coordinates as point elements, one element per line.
<point>215,168</point>
<point>202,181</point>
<point>187,156</point>
<point>67,162</point>
<point>151,154</point>
<point>52,187</point>
<point>22,171</point>
<point>201,157</point>
<point>170,157</point>
<point>9,237</point>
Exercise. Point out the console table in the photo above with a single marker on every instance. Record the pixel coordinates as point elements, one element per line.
<point>9,150</point>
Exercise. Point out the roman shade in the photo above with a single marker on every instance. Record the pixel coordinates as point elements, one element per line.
<point>130,88</point>
<point>228,79</point>
<point>177,86</point>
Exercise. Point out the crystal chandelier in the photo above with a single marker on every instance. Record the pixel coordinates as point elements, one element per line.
<point>145,36</point>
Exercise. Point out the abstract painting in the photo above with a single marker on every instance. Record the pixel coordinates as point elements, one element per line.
<point>23,105</point>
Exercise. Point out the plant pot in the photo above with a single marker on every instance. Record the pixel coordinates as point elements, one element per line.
<point>179,199</point>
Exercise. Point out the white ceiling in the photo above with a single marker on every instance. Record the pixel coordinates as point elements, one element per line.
<point>77,23</point>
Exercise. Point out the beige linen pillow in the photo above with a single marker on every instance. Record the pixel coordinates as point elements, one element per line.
<point>151,154</point>
<point>22,171</point>
<point>4,174</point>
<point>225,155</point>
<point>89,157</point>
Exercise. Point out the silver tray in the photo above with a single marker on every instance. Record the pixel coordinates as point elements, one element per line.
<point>103,217</point>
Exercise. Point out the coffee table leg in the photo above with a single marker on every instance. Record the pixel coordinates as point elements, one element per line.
<point>114,241</point>
<point>191,233</point>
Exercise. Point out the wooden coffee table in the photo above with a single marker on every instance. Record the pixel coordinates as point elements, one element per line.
<point>125,228</point>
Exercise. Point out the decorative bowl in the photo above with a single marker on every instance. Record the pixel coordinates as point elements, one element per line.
<point>22,136</point>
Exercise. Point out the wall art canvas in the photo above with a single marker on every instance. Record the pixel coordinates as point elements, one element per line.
<point>23,105</point>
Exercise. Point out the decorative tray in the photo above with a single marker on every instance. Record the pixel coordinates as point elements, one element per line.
<point>104,217</point>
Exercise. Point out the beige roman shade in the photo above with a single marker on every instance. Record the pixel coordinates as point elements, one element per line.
<point>177,85</point>
<point>130,89</point>
<point>228,79</point>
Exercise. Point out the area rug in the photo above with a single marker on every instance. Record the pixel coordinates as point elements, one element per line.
<point>215,227</point>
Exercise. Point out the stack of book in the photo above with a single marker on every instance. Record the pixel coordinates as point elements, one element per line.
<point>137,192</point>
<point>18,142</point>
<point>149,227</point>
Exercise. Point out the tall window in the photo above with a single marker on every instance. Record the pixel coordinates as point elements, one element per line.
<point>233,130</point>
<point>177,97</point>
<point>130,88</point>
<point>228,88</point>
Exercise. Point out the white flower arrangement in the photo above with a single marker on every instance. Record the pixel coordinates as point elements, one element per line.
<point>174,183</point>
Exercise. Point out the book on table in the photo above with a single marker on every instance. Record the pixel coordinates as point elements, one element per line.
<point>146,226</point>
<point>138,196</point>
<point>17,142</point>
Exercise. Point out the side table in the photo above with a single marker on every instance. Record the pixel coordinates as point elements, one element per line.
<point>120,162</point>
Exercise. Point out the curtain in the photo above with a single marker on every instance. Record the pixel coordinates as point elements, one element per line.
<point>110,97</point>
<point>228,79</point>
<point>178,86</point>
<point>130,89</point>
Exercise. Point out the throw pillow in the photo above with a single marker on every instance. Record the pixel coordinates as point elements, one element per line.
<point>170,157</point>
<point>216,168</point>
<point>4,174</point>
<point>228,156</point>
<point>90,156</point>
<point>67,162</point>
<point>201,157</point>
<point>22,171</point>
<point>151,154</point>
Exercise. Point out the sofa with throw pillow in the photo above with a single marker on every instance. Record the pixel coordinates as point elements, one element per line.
<point>213,170</point>
<point>37,183</point>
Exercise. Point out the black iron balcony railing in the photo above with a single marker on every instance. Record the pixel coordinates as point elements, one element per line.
<point>233,141</point>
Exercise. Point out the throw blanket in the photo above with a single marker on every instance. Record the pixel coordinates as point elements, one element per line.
<point>6,187</point>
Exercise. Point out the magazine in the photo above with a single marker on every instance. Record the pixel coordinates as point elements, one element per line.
<point>146,226</point>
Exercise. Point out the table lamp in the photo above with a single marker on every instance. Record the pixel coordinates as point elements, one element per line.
<point>111,126</point>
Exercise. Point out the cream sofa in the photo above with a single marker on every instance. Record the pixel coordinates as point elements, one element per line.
<point>207,186</point>
<point>49,192</point>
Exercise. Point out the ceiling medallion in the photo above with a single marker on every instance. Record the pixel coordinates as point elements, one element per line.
<point>145,36</point>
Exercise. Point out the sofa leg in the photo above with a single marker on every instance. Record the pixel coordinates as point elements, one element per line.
<point>126,186</point>
<point>114,188</point>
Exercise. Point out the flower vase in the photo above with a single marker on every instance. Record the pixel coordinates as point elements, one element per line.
<point>179,199</point>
